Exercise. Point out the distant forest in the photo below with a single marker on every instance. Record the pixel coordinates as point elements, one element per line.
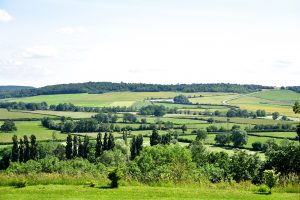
<point>103,87</point>
<point>13,88</point>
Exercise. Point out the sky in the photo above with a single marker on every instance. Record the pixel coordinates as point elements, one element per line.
<point>46,42</point>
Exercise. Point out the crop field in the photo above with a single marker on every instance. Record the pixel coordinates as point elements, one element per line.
<point>28,128</point>
<point>47,113</point>
<point>214,99</point>
<point>139,192</point>
<point>278,134</point>
<point>282,102</point>
<point>106,99</point>
<point>4,114</point>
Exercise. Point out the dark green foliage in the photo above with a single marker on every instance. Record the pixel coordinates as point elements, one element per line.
<point>166,139</point>
<point>69,147</point>
<point>201,134</point>
<point>128,117</point>
<point>235,112</point>
<point>239,137</point>
<point>243,166</point>
<point>183,128</point>
<point>105,141</point>
<point>5,153</point>
<point>154,138</point>
<point>284,158</point>
<point>257,146</point>
<point>86,148</point>
<point>275,115</point>
<point>211,129</point>
<point>110,142</point>
<point>210,120</point>
<point>155,110</point>
<point>124,136</point>
<point>33,147</point>
<point>21,151</point>
<point>199,153</point>
<point>101,87</point>
<point>26,149</point>
<point>15,149</point>
<point>115,176</point>
<point>106,118</point>
<point>99,146</point>
<point>222,139</point>
<point>68,126</point>
<point>75,146</point>
<point>181,99</point>
<point>80,148</point>
<point>8,126</point>
<point>167,163</point>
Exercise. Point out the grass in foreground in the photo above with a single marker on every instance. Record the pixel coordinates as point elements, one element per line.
<point>135,192</point>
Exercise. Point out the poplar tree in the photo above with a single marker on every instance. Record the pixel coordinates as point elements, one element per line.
<point>80,148</point>
<point>111,142</point>
<point>99,148</point>
<point>26,149</point>
<point>15,149</point>
<point>133,148</point>
<point>86,149</point>
<point>33,147</point>
<point>154,138</point>
<point>69,147</point>
<point>105,142</point>
<point>75,146</point>
<point>21,151</point>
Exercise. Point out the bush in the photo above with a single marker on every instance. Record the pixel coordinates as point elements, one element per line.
<point>19,184</point>
<point>271,178</point>
<point>263,189</point>
<point>257,146</point>
<point>115,176</point>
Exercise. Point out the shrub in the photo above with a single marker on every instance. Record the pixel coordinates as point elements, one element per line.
<point>19,184</point>
<point>271,178</point>
<point>115,176</point>
<point>263,189</point>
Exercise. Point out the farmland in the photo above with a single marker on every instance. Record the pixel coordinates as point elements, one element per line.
<point>193,116</point>
<point>138,192</point>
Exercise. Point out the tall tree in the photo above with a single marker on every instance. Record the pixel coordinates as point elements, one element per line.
<point>139,144</point>
<point>15,149</point>
<point>21,151</point>
<point>99,146</point>
<point>86,149</point>
<point>111,142</point>
<point>80,148</point>
<point>105,141</point>
<point>154,138</point>
<point>69,147</point>
<point>33,147</point>
<point>133,148</point>
<point>75,146</point>
<point>26,149</point>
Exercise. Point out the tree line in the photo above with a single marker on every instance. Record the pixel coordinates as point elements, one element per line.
<point>102,87</point>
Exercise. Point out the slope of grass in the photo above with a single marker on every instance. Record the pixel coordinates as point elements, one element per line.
<point>136,192</point>
<point>4,114</point>
<point>28,128</point>
<point>284,96</point>
<point>99,100</point>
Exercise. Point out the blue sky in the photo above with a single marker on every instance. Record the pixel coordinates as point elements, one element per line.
<point>46,42</point>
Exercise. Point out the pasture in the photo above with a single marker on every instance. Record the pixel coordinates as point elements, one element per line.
<point>106,99</point>
<point>141,192</point>
<point>4,114</point>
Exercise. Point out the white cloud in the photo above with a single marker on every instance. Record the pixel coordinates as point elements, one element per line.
<point>4,16</point>
<point>41,51</point>
<point>68,30</point>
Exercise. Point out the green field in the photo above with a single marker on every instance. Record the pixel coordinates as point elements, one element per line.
<point>63,113</point>
<point>106,99</point>
<point>138,192</point>
<point>4,114</point>
<point>271,100</point>
<point>28,128</point>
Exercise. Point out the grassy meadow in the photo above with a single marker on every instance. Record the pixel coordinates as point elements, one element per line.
<point>140,192</point>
